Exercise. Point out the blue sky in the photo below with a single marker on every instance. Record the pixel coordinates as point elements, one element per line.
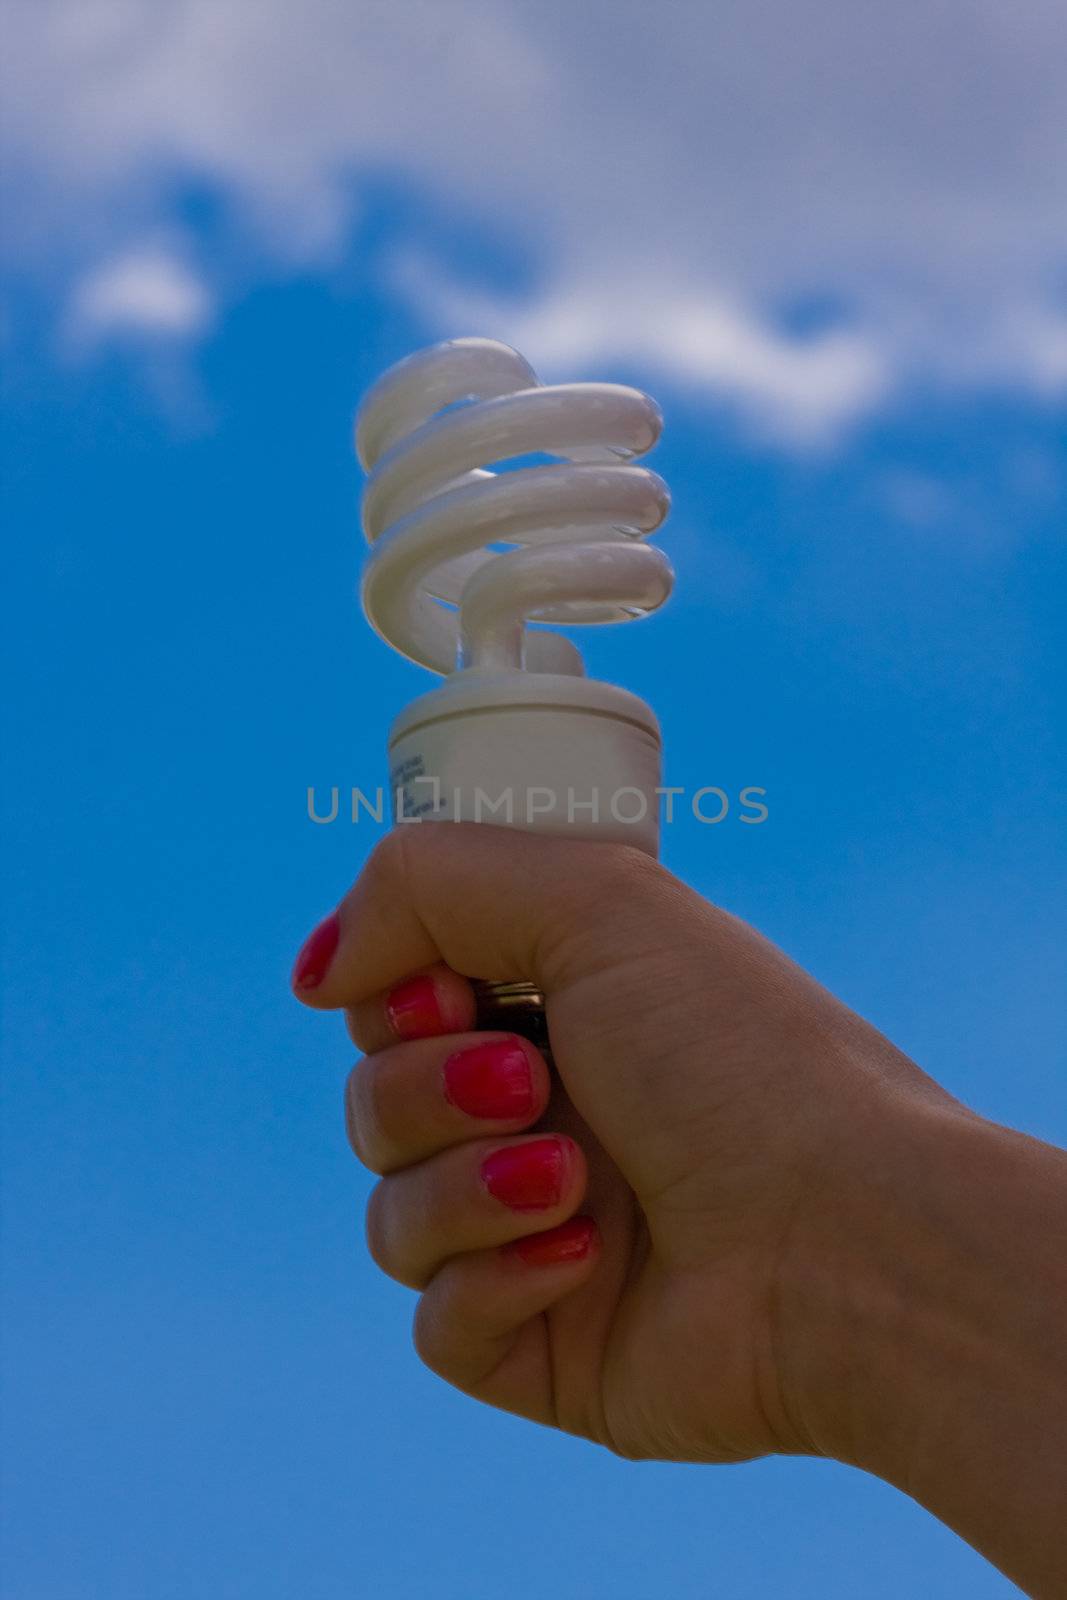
<point>835,254</point>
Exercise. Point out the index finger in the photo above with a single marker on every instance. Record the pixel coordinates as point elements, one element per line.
<point>488,902</point>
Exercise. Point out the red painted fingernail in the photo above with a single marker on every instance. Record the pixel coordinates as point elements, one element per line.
<point>313,962</point>
<point>527,1177</point>
<point>490,1080</point>
<point>414,1010</point>
<point>571,1241</point>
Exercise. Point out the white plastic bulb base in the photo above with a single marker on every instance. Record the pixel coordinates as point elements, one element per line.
<point>545,752</point>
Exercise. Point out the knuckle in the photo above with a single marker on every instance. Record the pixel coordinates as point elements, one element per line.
<point>380,1119</point>
<point>352,1113</point>
<point>368,1026</point>
<point>357,1028</point>
<point>378,1232</point>
<point>385,1233</point>
<point>626,1449</point>
<point>362,1095</point>
<point>386,1116</point>
<point>388,867</point>
<point>382,861</point>
<point>426,1334</point>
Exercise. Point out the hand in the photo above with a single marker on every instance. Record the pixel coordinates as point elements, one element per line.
<point>738,1221</point>
<point>709,1094</point>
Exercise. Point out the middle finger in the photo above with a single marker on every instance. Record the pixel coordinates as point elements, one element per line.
<point>416,1099</point>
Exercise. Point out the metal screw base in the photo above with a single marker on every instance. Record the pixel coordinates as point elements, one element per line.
<point>513,1008</point>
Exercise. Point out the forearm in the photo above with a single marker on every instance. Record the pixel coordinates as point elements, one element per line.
<point>936,1346</point>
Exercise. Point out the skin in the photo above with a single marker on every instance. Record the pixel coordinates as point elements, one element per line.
<point>803,1244</point>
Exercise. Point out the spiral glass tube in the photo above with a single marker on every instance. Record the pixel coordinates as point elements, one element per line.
<point>462,557</point>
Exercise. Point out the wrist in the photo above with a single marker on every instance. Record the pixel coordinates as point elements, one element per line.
<point>857,1289</point>
<point>921,1319</point>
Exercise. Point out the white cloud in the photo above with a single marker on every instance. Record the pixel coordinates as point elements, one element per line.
<point>677,177</point>
<point>145,292</point>
<point>799,390</point>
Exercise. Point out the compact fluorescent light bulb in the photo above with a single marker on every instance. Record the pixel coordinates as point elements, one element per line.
<point>462,559</point>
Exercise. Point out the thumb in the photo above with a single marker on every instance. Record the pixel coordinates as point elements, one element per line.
<point>489,902</point>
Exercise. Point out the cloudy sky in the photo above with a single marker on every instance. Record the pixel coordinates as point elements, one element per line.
<point>803,212</point>
<point>831,238</point>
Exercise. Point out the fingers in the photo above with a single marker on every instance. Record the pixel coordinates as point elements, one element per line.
<point>489,902</point>
<point>472,1197</point>
<point>428,1003</point>
<point>417,1099</point>
<point>478,1324</point>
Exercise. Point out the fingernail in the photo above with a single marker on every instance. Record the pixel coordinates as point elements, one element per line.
<point>527,1177</point>
<point>414,1010</point>
<point>490,1080</point>
<point>571,1241</point>
<point>313,962</point>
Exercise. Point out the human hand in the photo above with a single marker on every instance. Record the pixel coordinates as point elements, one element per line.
<point>678,1185</point>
